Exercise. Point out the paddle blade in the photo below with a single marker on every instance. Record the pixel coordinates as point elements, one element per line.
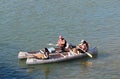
<point>88,54</point>
<point>50,44</point>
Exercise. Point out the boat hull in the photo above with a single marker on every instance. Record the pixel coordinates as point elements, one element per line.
<point>92,51</point>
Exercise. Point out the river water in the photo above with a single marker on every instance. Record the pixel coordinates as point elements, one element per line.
<point>28,25</point>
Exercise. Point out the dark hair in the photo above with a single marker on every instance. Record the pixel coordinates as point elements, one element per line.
<point>46,53</point>
<point>84,42</point>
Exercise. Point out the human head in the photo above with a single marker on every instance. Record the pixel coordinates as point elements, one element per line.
<point>83,41</point>
<point>60,37</point>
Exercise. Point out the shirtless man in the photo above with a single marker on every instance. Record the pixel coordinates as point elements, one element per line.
<point>62,43</point>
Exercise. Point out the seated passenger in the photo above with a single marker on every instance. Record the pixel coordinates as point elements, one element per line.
<point>42,55</point>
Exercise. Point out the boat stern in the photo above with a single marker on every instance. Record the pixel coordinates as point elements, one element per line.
<point>22,55</point>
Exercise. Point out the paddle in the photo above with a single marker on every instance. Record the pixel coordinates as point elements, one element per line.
<point>90,55</point>
<point>51,44</point>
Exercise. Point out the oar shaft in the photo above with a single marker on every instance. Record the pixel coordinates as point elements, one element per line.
<point>90,55</point>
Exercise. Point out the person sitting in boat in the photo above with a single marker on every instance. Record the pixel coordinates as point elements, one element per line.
<point>44,54</point>
<point>83,46</point>
<point>62,43</point>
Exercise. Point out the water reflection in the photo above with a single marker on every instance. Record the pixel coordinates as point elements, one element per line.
<point>22,63</point>
<point>42,69</point>
<point>85,65</point>
<point>46,70</point>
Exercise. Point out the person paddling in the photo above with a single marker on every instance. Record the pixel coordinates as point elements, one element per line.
<point>62,43</point>
<point>83,46</point>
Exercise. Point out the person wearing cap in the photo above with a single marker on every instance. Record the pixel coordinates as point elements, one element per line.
<point>62,43</point>
<point>83,45</point>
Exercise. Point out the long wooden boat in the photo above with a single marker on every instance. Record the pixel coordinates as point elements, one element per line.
<point>58,57</point>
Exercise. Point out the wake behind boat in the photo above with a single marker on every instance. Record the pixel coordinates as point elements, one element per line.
<point>59,57</point>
